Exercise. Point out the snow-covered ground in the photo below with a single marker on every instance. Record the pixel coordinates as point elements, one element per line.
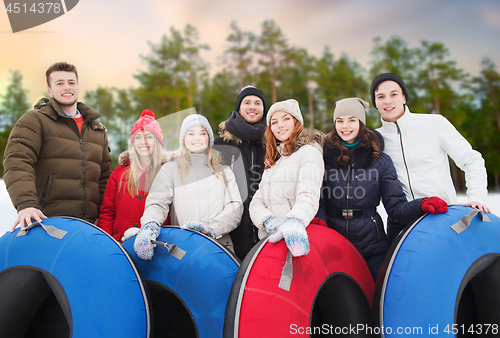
<point>8,213</point>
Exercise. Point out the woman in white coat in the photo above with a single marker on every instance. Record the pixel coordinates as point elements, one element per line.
<point>288,196</point>
<point>200,193</point>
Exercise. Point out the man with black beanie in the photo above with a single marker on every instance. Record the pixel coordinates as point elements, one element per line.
<point>419,145</point>
<point>240,141</point>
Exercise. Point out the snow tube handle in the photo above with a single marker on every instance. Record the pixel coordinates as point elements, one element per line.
<point>173,249</point>
<point>51,230</point>
<point>465,221</point>
<point>287,273</point>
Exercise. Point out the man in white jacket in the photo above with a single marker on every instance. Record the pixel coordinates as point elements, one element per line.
<point>419,145</point>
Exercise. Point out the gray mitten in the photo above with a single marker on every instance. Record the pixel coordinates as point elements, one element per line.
<point>272,223</point>
<point>142,245</point>
<point>295,235</point>
<point>200,227</point>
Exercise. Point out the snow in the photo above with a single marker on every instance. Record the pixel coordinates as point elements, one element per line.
<point>9,214</point>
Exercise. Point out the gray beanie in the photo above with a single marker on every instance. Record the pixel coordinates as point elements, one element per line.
<point>290,106</point>
<point>353,106</point>
<point>195,120</point>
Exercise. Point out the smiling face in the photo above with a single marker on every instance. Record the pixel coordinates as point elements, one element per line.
<point>196,139</point>
<point>64,88</point>
<point>347,128</point>
<point>282,125</point>
<point>252,109</point>
<point>390,101</point>
<point>144,143</point>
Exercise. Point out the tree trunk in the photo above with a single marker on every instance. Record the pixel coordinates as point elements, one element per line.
<point>273,79</point>
<point>310,102</point>
<point>240,56</point>
<point>495,102</point>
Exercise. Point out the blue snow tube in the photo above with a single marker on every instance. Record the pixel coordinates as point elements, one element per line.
<point>439,282</point>
<point>188,295</point>
<point>82,284</point>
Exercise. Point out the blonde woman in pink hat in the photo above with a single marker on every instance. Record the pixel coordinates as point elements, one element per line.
<point>129,184</point>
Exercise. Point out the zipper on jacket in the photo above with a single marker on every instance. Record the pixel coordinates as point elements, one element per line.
<point>84,179</point>
<point>347,203</point>
<point>250,192</point>
<point>404,159</point>
<point>376,226</point>
<point>44,192</point>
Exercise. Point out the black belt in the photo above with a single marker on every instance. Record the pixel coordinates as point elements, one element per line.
<point>352,213</point>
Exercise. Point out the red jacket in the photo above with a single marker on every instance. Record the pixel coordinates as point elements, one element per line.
<point>119,210</point>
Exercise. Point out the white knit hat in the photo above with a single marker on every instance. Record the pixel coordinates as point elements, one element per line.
<point>195,120</point>
<point>352,106</point>
<point>290,106</point>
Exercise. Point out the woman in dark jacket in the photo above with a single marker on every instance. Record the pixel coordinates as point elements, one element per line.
<point>240,142</point>
<point>357,176</point>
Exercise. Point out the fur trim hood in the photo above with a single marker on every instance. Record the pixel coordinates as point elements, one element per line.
<point>309,136</point>
<point>166,156</point>
<point>225,135</point>
<point>361,157</point>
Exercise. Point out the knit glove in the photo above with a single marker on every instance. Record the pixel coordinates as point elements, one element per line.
<point>272,223</point>
<point>142,245</point>
<point>434,205</point>
<point>295,235</point>
<point>200,227</point>
<point>129,233</point>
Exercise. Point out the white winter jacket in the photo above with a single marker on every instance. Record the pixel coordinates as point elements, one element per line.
<point>419,145</point>
<point>201,198</point>
<point>291,188</point>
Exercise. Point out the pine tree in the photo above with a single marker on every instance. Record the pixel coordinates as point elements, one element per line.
<point>271,46</point>
<point>14,104</point>
<point>240,52</point>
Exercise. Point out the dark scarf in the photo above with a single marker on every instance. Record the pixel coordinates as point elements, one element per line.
<point>240,128</point>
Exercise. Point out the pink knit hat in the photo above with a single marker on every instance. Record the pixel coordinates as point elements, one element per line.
<point>147,122</point>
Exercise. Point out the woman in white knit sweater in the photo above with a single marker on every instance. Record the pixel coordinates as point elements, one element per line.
<point>289,193</point>
<point>200,193</point>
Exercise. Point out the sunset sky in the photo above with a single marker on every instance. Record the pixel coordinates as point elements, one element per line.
<point>105,39</point>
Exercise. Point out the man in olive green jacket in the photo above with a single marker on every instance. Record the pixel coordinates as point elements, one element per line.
<point>57,159</point>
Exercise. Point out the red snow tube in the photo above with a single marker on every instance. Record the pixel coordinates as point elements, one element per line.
<point>331,289</point>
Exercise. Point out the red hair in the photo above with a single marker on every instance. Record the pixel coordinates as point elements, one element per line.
<point>272,154</point>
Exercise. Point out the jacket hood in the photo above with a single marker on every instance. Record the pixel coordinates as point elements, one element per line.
<point>52,109</point>
<point>166,156</point>
<point>225,135</point>
<point>309,136</point>
<point>361,157</point>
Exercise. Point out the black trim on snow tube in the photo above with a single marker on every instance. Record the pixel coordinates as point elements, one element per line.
<point>189,296</point>
<point>435,280</point>
<point>257,307</point>
<point>82,285</point>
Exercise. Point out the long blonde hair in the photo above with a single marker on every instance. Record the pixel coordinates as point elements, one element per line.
<point>214,162</point>
<point>134,171</point>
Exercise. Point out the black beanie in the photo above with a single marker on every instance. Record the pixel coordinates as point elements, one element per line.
<point>251,90</point>
<point>387,77</point>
